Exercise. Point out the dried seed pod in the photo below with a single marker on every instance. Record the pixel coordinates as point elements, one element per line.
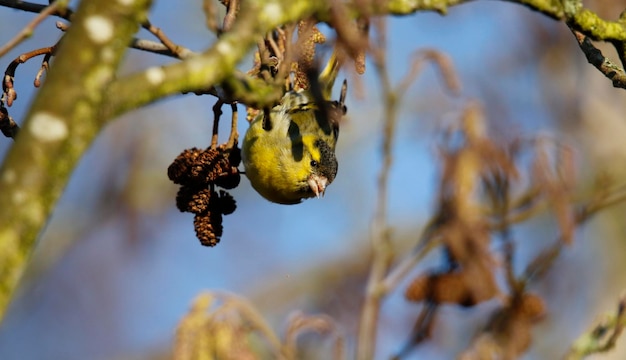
<point>438,288</point>
<point>227,203</point>
<point>208,227</point>
<point>184,197</point>
<point>234,156</point>
<point>204,165</point>
<point>198,171</point>
<point>219,166</point>
<point>229,180</point>
<point>200,201</point>
<point>179,169</point>
<point>532,307</point>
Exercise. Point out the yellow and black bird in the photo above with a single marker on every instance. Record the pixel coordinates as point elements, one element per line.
<point>289,150</point>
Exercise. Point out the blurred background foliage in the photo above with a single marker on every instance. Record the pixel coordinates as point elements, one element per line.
<point>125,264</point>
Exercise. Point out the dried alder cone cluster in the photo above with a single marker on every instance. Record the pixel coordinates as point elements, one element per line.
<point>198,172</point>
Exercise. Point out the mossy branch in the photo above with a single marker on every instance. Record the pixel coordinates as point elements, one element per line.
<point>603,336</point>
<point>60,126</point>
<point>214,65</point>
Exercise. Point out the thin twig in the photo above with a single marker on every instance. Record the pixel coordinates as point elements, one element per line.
<point>300,323</point>
<point>595,57</point>
<point>273,45</point>
<point>217,113</point>
<point>352,36</point>
<point>62,12</point>
<point>156,48</point>
<point>543,262</point>
<point>613,197</point>
<point>421,330</point>
<point>234,134</point>
<point>28,30</point>
<point>231,15</point>
<point>9,74</point>
<point>264,60</point>
<point>403,268</point>
<point>181,52</point>
<point>284,66</point>
<point>500,195</point>
<point>603,336</point>
<point>442,63</point>
<point>144,45</point>
<point>379,234</point>
<point>210,14</point>
<point>45,66</point>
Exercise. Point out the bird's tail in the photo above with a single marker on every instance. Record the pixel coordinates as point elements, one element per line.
<point>328,76</point>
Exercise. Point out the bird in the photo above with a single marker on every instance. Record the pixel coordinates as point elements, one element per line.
<point>288,151</point>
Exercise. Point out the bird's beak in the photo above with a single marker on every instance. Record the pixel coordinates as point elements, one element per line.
<point>318,184</point>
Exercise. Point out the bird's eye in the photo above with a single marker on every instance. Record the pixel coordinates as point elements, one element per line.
<point>313,163</point>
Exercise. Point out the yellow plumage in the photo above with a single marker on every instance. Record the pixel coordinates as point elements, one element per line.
<point>291,155</point>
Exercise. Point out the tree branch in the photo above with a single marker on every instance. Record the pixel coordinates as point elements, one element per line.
<point>61,12</point>
<point>211,67</point>
<point>28,30</point>
<point>595,57</point>
<point>62,122</point>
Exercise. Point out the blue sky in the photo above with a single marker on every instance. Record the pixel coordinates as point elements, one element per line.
<point>133,264</point>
